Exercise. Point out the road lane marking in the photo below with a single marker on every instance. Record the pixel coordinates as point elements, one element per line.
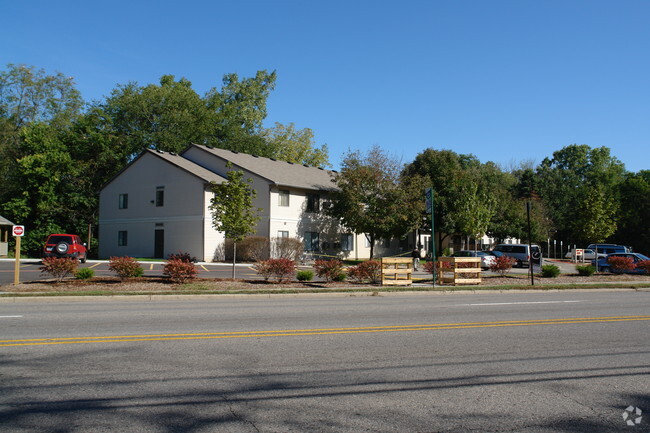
<point>8,317</point>
<point>521,303</point>
<point>317,331</point>
<point>95,265</point>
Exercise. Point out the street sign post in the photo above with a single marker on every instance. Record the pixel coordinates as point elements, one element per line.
<point>18,232</point>
<point>428,201</point>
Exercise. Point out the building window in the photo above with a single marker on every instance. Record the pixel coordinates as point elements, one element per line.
<point>313,203</point>
<point>311,241</point>
<point>160,196</point>
<point>283,197</point>
<point>123,202</point>
<point>122,238</point>
<point>347,242</point>
<point>283,234</point>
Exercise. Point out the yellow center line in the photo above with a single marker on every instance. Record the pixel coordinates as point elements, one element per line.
<point>316,331</point>
<point>95,265</point>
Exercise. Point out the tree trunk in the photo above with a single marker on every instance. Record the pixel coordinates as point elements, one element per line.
<point>234,258</point>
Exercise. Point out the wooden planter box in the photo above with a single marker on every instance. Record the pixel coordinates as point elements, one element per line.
<point>396,271</point>
<point>449,270</point>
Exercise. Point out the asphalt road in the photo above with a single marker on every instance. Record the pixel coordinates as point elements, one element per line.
<point>534,362</point>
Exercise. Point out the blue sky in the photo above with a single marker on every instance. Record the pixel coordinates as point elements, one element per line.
<point>506,80</point>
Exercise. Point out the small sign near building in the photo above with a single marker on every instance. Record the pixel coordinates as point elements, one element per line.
<point>18,230</point>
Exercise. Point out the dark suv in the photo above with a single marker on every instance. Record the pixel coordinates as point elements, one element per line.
<point>62,245</point>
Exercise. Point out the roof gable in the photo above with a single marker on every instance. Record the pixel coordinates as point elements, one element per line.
<point>178,161</point>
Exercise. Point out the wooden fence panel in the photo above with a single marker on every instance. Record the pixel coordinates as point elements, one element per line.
<point>459,270</point>
<point>396,271</point>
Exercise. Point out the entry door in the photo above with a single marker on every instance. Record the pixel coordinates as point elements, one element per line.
<point>159,244</point>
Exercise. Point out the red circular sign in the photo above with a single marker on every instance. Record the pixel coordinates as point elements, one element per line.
<point>19,230</point>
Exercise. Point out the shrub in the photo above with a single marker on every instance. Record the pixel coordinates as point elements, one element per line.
<point>59,267</point>
<point>85,274</point>
<point>429,267</point>
<point>341,276</point>
<point>180,271</point>
<point>125,267</point>
<point>620,264</point>
<point>550,271</point>
<point>282,269</point>
<point>305,275</point>
<point>183,257</point>
<point>369,270</point>
<point>287,248</point>
<point>328,269</point>
<point>264,269</point>
<point>502,265</point>
<point>585,270</point>
<point>250,249</point>
<point>645,265</point>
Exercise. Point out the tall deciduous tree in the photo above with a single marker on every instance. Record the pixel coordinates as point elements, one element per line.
<point>370,198</point>
<point>295,145</point>
<point>565,182</point>
<point>232,209</point>
<point>168,116</point>
<point>445,171</point>
<point>633,227</point>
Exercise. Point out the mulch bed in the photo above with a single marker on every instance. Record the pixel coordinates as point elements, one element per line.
<point>161,285</point>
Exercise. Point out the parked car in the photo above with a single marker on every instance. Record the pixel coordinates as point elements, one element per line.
<point>610,248</point>
<point>520,252</point>
<point>65,245</point>
<point>604,266</point>
<point>587,254</point>
<point>487,257</point>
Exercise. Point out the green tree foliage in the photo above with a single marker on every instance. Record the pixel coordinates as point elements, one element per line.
<point>298,146</point>
<point>232,209</point>
<point>167,117</point>
<point>633,227</point>
<point>565,183</point>
<point>42,181</point>
<point>371,199</point>
<point>239,109</point>
<point>597,217</point>
<point>447,173</point>
<point>513,190</point>
<point>28,95</point>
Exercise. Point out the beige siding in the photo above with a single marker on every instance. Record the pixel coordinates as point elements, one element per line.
<point>181,217</point>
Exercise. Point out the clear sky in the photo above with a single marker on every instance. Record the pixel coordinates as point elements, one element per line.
<point>506,80</point>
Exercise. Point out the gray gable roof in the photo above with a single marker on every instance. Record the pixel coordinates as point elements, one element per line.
<point>189,166</point>
<point>281,173</point>
<point>5,222</point>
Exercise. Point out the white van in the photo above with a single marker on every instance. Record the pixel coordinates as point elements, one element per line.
<point>519,252</point>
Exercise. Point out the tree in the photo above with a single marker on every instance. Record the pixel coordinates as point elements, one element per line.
<point>232,209</point>
<point>446,172</point>
<point>167,117</point>
<point>564,182</point>
<point>633,227</point>
<point>370,198</point>
<point>238,110</point>
<point>595,218</point>
<point>297,146</point>
<point>28,95</point>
